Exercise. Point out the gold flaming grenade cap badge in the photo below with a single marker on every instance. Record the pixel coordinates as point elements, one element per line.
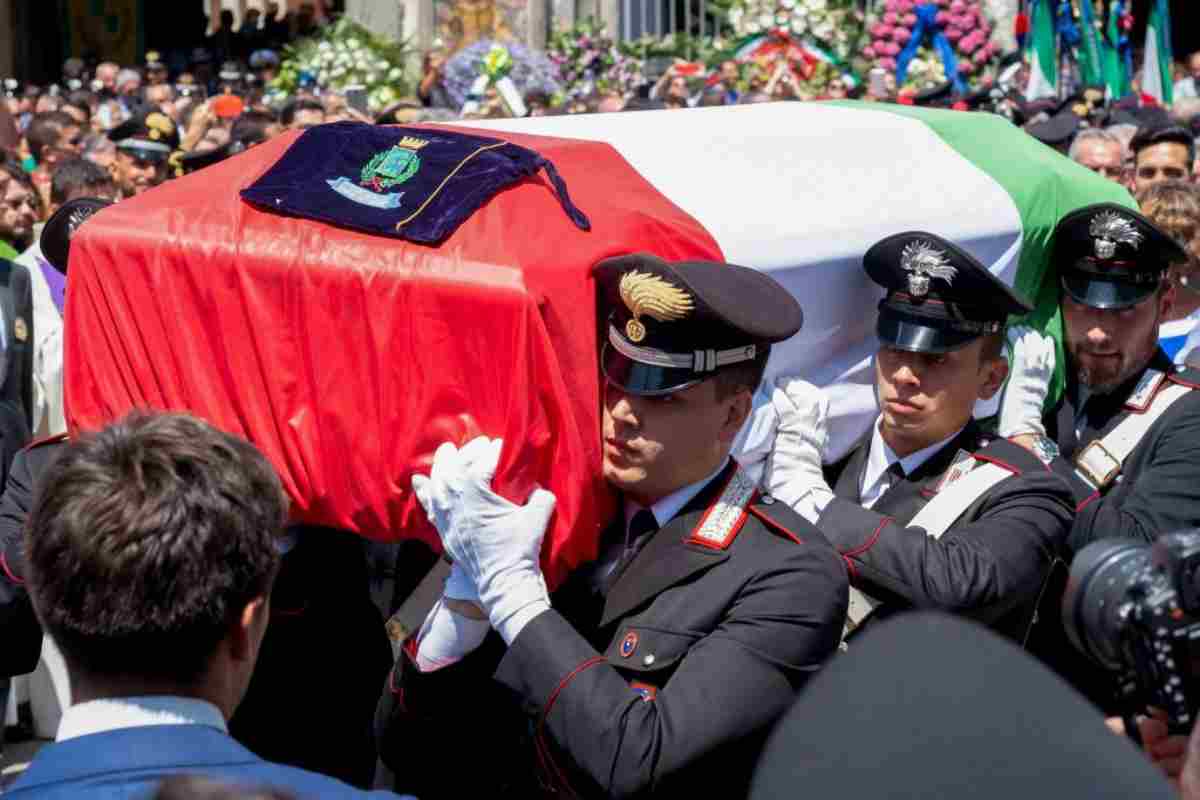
<point>651,296</point>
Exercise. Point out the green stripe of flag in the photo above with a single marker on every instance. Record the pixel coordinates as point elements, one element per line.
<point>1044,186</point>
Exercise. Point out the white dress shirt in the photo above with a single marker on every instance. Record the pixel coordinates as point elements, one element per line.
<point>875,478</point>
<point>446,637</point>
<point>49,418</point>
<point>111,714</point>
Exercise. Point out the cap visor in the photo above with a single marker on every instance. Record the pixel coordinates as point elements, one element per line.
<point>1098,293</point>
<point>905,334</point>
<point>644,379</point>
<point>153,156</point>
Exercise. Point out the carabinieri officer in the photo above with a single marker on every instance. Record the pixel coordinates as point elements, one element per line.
<point>928,510</point>
<point>659,668</point>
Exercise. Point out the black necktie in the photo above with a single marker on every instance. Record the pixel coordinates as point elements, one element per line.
<point>636,535</point>
<point>895,474</point>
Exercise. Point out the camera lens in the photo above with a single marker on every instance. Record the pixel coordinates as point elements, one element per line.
<point>1101,575</point>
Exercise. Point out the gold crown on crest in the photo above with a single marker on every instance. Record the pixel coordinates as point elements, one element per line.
<point>412,143</point>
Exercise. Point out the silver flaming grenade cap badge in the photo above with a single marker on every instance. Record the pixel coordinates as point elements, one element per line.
<point>924,262</point>
<point>1110,229</point>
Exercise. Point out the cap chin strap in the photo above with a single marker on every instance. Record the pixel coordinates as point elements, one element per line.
<point>697,360</point>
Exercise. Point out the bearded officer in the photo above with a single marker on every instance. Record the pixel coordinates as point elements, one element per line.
<point>658,668</point>
<point>1124,432</point>
<point>927,509</point>
<point>1128,423</point>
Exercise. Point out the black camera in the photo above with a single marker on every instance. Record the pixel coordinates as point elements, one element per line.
<point>1135,610</point>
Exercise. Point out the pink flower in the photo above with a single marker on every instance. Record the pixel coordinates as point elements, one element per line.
<point>893,49</point>
<point>967,44</point>
<point>909,19</point>
<point>888,63</point>
<point>905,7</point>
<point>965,67</point>
<point>953,34</point>
<point>957,6</point>
<point>879,30</point>
<point>868,52</point>
<point>890,18</point>
<point>891,5</point>
<point>943,18</point>
<point>981,57</point>
<point>902,35</point>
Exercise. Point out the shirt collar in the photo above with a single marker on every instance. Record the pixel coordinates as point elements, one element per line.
<point>666,508</point>
<point>115,713</point>
<point>881,456</point>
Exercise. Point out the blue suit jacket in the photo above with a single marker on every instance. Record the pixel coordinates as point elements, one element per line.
<point>130,763</point>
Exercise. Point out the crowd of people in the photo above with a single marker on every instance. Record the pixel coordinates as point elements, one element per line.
<point>216,650</point>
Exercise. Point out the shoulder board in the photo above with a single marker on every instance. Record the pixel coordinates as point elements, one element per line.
<point>1186,375</point>
<point>1143,394</point>
<point>724,519</point>
<point>47,440</point>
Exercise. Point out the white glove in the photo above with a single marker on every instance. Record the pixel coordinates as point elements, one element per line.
<point>795,475</point>
<point>448,458</point>
<point>1030,368</point>
<point>496,542</point>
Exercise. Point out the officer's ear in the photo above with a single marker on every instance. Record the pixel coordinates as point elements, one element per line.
<point>993,365</point>
<point>741,401</point>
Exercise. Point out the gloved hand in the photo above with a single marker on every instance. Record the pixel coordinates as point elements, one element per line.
<point>496,541</point>
<point>1030,368</point>
<point>795,475</point>
<point>448,459</point>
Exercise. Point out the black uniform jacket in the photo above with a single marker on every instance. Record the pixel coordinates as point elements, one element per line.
<point>990,565</point>
<point>20,633</point>
<point>16,304</point>
<point>666,685</point>
<point>1158,490</point>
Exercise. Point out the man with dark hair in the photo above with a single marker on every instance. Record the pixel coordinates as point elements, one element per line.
<point>19,208</point>
<point>1162,153</point>
<point>928,510</point>
<point>254,127</point>
<point>80,178</point>
<point>660,666</point>
<point>151,552</point>
<point>302,114</point>
<point>51,138</point>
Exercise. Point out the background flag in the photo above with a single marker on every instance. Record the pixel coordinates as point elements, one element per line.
<point>1156,74</point>
<point>1043,52</point>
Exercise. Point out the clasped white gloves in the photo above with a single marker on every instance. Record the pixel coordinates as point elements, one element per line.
<point>1030,368</point>
<point>794,474</point>
<point>496,542</point>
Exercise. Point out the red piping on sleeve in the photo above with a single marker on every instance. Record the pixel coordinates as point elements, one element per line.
<point>999,463</point>
<point>870,542</point>
<point>1087,500</point>
<point>12,576</point>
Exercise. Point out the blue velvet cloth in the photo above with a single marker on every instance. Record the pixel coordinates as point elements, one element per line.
<point>418,184</point>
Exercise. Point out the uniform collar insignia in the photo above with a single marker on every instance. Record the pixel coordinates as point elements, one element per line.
<point>923,262</point>
<point>1110,229</point>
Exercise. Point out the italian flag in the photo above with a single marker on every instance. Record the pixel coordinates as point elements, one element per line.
<point>1043,52</point>
<point>1156,74</point>
<point>347,357</point>
<point>801,190</point>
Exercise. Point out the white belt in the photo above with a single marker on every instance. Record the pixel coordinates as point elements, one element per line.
<point>1100,462</point>
<point>936,518</point>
